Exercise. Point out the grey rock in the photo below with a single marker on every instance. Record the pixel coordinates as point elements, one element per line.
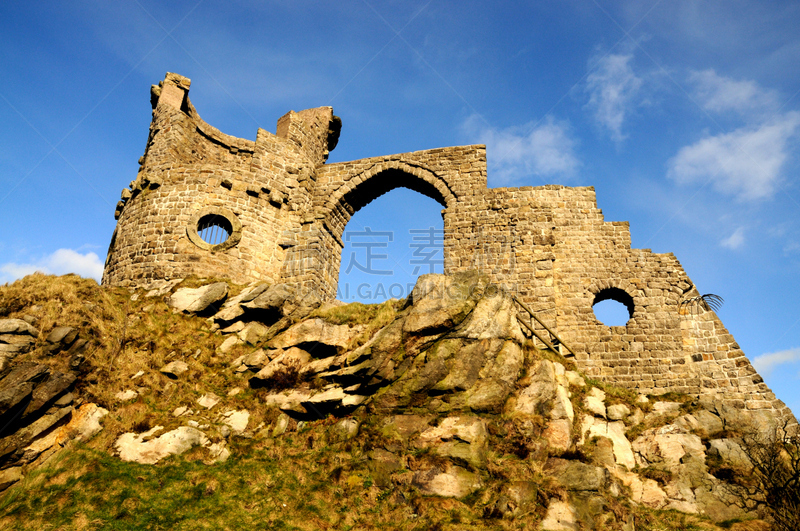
<point>47,391</point>
<point>446,480</point>
<point>174,369</point>
<point>253,333</point>
<point>199,300</point>
<point>17,339</point>
<point>381,466</point>
<point>232,309</point>
<point>441,301</point>
<point>17,326</point>
<point>577,476</point>
<point>134,447</point>
<point>730,452</point>
<point>60,338</point>
<point>255,359</point>
<point>9,476</point>
<point>273,298</point>
<point>317,332</point>
<point>617,412</point>
<point>19,383</point>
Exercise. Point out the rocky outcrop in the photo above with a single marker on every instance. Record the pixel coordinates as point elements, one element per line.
<point>441,396</point>
<point>38,416</point>
<point>16,337</point>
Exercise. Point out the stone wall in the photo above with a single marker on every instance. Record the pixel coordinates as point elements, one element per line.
<point>287,211</point>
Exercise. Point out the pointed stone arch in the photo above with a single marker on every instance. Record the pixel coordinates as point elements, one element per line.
<point>365,185</point>
<point>321,245</point>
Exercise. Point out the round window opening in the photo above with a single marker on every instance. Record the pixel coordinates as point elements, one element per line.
<point>214,229</point>
<point>613,307</point>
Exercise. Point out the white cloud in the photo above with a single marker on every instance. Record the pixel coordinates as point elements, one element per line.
<point>546,150</point>
<point>61,262</point>
<point>746,163</point>
<point>612,88</point>
<point>766,363</point>
<point>791,247</point>
<point>735,240</point>
<point>720,94</point>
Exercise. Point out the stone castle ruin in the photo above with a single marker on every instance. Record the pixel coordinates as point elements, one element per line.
<point>277,213</point>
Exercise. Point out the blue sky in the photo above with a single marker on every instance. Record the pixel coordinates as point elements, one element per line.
<point>685,116</point>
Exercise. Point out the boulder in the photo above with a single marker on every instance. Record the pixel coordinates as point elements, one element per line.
<point>218,453</point>
<point>663,409</point>
<point>236,420</point>
<point>538,397</point>
<point>208,400</point>
<point>613,431</point>
<point>17,327</point>
<point>494,316</point>
<point>286,360</point>
<point>199,300</point>
<point>174,369</point>
<point>9,476</point>
<point>84,423</point>
<point>462,438</point>
<point>516,499</point>
<point>253,333</point>
<point>401,428</point>
<point>669,444</point>
<point>577,476</point>
<point>134,447</point>
<point>442,301</point>
<point>126,395</point>
<point>232,309</point>
<point>228,344</point>
<point>446,480</point>
<point>594,402</point>
<point>617,412</point>
<point>60,338</point>
<point>256,359</point>
<point>574,379</point>
<point>558,434</point>
<point>560,516</point>
<point>323,339</point>
<point>276,301</point>
<point>19,383</point>
<point>731,453</point>
<point>52,387</point>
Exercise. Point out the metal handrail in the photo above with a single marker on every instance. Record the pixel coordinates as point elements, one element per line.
<point>552,333</point>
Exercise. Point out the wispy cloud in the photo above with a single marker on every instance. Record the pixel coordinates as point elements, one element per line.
<point>766,363</point>
<point>745,163</point>
<point>61,262</point>
<point>612,88</point>
<point>544,150</point>
<point>735,240</point>
<point>721,94</point>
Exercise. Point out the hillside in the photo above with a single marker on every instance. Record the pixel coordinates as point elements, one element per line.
<point>204,405</point>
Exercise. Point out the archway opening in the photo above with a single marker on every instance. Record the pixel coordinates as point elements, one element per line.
<point>613,307</point>
<point>388,243</point>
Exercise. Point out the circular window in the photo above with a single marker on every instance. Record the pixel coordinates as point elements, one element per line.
<point>613,307</point>
<point>214,229</point>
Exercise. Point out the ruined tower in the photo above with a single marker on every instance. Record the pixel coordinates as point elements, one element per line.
<point>208,204</point>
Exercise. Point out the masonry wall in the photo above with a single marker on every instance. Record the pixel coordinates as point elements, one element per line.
<point>549,245</point>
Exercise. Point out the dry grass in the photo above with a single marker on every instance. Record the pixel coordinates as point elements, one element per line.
<point>302,480</point>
